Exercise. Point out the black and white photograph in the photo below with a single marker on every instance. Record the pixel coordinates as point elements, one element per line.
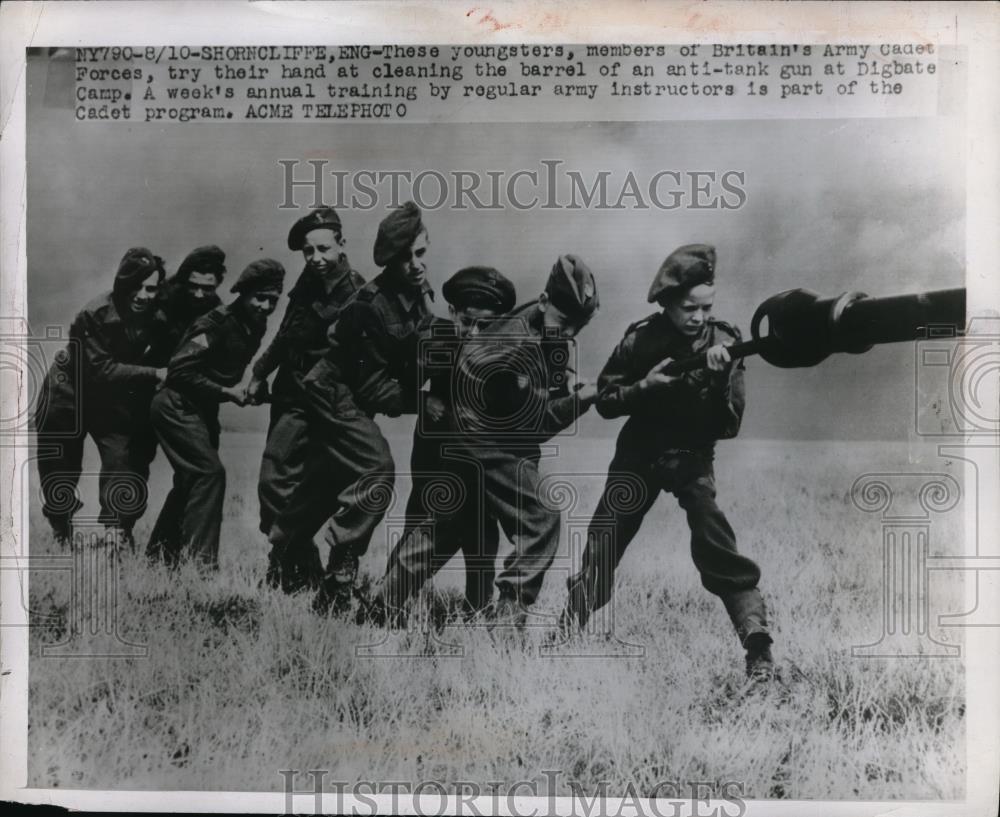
<point>528,408</point>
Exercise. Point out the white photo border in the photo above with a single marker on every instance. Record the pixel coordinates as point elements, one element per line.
<point>72,24</point>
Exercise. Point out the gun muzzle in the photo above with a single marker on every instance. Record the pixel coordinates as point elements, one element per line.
<point>799,328</point>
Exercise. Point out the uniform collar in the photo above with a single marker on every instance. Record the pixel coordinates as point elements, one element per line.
<point>112,315</point>
<point>230,311</point>
<point>341,270</point>
<point>409,297</point>
<point>312,284</point>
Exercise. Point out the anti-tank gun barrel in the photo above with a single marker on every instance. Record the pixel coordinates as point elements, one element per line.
<point>798,328</point>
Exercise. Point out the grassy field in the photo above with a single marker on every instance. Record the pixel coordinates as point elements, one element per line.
<point>241,682</point>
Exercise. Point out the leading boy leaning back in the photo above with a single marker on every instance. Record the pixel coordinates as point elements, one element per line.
<point>668,444</point>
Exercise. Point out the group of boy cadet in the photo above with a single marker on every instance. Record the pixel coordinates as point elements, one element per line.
<point>510,391</point>
<point>348,350</point>
<point>149,363</point>
<point>369,367</point>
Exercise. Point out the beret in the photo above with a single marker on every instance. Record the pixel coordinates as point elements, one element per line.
<point>685,267</point>
<point>322,218</point>
<point>136,266</point>
<point>484,284</point>
<point>571,287</point>
<point>208,259</point>
<point>264,273</point>
<point>397,232</point>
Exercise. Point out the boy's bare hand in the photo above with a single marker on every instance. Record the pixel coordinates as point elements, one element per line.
<point>235,395</point>
<point>718,358</point>
<point>657,377</point>
<point>434,407</point>
<point>586,391</point>
<point>256,391</point>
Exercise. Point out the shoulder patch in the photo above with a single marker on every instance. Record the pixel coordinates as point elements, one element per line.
<point>200,340</point>
<point>640,323</point>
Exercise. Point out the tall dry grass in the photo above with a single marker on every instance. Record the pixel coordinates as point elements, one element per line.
<point>241,682</point>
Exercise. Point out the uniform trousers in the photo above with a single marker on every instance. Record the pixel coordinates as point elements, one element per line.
<point>631,489</point>
<point>347,481</point>
<point>191,517</point>
<point>126,446</point>
<point>446,514</point>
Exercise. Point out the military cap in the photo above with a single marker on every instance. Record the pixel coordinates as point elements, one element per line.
<point>265,273</point>
<point>207,259</point>
<point>322,218</point>
<point>397,232</point>
<point>685,267</point>
<point>571,287</point>
<point>481,285</point>
<point>136,266</point>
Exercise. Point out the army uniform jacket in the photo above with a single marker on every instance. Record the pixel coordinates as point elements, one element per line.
<point>213,355</point>
<point>692,412</point>
<point>103,369</point>
<point>374,345</point>
<point>511,382</point>
<point>301,341</point>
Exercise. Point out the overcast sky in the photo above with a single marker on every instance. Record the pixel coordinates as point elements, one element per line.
<point>831,205</point>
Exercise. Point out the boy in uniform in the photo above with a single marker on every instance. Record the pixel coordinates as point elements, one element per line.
<point>512,393</point>
<point>101,387</point>
<point>370,368</point>
<point>325,285</point>
<point>668,442</point>
<point>475,296</point>
<point>204,372</point>
<point>184,297</point>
